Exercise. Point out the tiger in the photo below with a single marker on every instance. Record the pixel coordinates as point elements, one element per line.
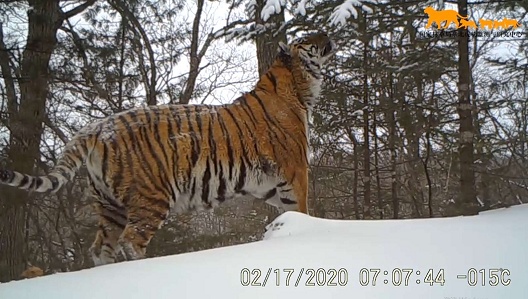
<point>146,162</point>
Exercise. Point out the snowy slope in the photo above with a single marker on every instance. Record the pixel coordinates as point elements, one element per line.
<point>340,249</point>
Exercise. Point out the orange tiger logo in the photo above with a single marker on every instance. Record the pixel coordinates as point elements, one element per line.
<point>147,161</point>
<point>465,24</point>
<point>486,23</point>
<point>507,23</point>
<point>439,16</point>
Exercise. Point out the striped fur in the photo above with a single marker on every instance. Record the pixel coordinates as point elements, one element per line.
<point>145,162</point>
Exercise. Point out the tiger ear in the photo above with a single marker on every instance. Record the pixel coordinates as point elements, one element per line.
<point>284,49</point>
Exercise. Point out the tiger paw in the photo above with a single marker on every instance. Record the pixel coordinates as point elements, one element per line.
<point>274,226</point>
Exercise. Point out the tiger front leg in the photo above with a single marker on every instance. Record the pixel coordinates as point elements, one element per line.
<point>293,194</point>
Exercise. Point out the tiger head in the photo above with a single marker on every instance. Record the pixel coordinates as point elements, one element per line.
<point>305,57</point>
<point>313,50</point>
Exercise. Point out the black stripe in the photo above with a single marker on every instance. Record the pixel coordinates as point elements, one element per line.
<point>253,121</point>
<point>107,202</point>
<point>270,194</point>
<point>25,180</point>
<point>104,162</point>
<point>117,179</point>
<point>282,184</point>
<point>173,157</point>
<point>273,80</point>
<point>212,143</point>
<point>84,146</point>
<point>155,127</point>
<point>183,117</point>
<point>133,149</point>
<point>245,107</point>
<point>176,114</point>
<point>162,176</point>
<point>160,204</point>
<point>251,113</point>
<point>287,201</point>
<point>54,182</point>
<point>205,183</point>
<point>269,120</point>
<point>192,133</point>
<point>221,187</point>
<point>198,116</point>
<point>241,139</point>
<point>196,147</point>
<point>34,182</point>
<point>275,124</point>
<point>140,153</point>
<point>154,214</point>
<point>241,177</point>
<point>102,229</point>
<point>113,221</point>
<point>229,145</point>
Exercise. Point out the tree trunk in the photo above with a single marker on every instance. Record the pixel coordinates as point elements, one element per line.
<point>25,121</point>
<point>467,202</point>
<point>195,55</point>
<point>266,43</point>
<point>26,128</point>
<point>376,166</point>
<point>366,135</point>
<point>267,46</point>
<point>392,148</point>
<point>356,179</point>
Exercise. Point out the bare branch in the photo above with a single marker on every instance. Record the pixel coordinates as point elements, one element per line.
<point>6,73</point>
<point>77,10</point>
<point>125,12</point>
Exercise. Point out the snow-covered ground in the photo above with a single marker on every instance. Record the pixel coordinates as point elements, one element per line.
<point>306,257</point>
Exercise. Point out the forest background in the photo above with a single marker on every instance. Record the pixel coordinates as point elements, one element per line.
<point>411,123</point>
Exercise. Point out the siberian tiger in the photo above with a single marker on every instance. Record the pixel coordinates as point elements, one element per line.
<point>147,161</point>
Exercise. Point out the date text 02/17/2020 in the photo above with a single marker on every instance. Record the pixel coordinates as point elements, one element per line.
<point>331,277</point>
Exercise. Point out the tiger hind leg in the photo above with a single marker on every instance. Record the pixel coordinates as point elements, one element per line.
<point>145,217</point>
<point>105,247</point>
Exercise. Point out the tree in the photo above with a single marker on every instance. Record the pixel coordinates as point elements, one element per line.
<point>467,201</point>
<point>25,120</point>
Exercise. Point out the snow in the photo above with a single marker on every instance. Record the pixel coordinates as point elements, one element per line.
<point>358,113</point>
<point>301,8</point>
<point>297,245</point>
<point>343,11</point>
<point>271,7</point>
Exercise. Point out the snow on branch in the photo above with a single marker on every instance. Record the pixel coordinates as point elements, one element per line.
<point>339,16</point>
<point>348,8</point>
<point>272,7</point>
<point>301,8</point>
